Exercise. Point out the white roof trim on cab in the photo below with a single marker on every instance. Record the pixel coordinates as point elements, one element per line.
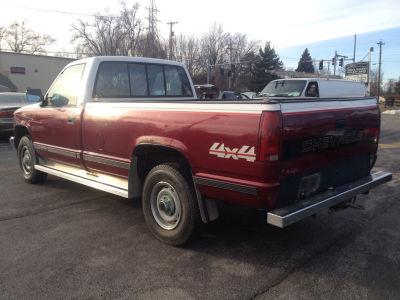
<point>126,59</point>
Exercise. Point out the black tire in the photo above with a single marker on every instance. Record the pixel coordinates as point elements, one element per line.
<point>169,205</point>
<point>27,161</point>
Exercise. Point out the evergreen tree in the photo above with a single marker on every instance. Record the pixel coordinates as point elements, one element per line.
<point>265,62</point>
<point>305,63</point>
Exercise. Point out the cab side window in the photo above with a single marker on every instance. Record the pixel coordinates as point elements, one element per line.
<point>312,89</point>
<point>112,80</point>
<point>64,91</point>
<point>186,88</point>
<point>176,81</point>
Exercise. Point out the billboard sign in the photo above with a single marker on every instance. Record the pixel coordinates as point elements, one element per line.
<point>357,71</point>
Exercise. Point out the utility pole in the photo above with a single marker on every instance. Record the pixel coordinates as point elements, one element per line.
<point>208,64</point>
<point>171,35</point>
<point>369,69</point>
<point>334,63</point>
<point>230,66</point>
<point>355,44</point>
<point>379,69</point>
<point>329,63</point>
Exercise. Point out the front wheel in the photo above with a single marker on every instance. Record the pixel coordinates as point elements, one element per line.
<point>169,206</point>
<point>27,160</point>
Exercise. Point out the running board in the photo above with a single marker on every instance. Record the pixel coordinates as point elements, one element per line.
<point>287,215</point>
<point>85,181</point>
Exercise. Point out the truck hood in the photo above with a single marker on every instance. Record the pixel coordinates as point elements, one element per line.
<point>29,107</point>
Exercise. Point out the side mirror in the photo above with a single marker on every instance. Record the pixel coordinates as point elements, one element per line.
<point>35,95</point>
<point>58,100</point>
<point>44,101</point>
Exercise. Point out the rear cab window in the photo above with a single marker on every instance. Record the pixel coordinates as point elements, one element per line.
<point>140,80</point>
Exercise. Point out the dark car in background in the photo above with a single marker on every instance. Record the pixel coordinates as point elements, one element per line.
<point>10,102</point>
<point>232,95</point>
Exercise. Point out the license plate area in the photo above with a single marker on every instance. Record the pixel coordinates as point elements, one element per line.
<point>308,185</point>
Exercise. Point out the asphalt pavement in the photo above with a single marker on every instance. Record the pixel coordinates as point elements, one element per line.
<point>63,240</point>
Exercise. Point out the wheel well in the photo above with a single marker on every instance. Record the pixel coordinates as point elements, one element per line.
<point>19,132</point>
<point>146,157</point>
<point>149,156</point>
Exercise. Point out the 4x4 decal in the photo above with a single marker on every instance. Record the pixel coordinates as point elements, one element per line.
<point>245,152</point>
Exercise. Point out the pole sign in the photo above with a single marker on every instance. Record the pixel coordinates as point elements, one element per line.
<point>357,71</point>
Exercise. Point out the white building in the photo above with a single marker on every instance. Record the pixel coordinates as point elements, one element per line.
<point>30,70</point>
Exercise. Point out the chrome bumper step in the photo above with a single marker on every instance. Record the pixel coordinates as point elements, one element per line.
<point>288,215</point>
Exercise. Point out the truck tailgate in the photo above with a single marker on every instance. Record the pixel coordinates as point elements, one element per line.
<point>325,144</point>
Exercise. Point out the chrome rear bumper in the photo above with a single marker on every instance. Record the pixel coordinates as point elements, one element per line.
<point>287,215</point>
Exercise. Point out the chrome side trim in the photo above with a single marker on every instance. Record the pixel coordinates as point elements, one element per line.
<point>240,188</point>
<point>106,161</point>
<point>285,216</point>
<point>88,157</point>
<point>85,181</point>
<point>56,150</point>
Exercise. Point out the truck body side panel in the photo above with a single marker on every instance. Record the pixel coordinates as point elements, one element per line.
<point>221,145</point>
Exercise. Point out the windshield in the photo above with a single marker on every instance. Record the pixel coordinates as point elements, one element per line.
<point>284,88</point>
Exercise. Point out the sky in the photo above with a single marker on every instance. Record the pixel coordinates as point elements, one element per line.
<point>290,25</point>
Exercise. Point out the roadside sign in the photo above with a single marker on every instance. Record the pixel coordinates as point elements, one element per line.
<point>357,71</point>
<point>357,68</point>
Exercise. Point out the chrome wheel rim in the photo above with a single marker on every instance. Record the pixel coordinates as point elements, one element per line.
<point>26,160</point>
<point>165,205</point>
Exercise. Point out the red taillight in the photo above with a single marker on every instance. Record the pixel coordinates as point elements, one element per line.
<point>270,136</point>
<point>6,114</point>
<point>372,132</point>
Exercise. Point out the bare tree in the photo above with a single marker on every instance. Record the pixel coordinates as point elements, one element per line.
<point>373,79</point>
<point>232,53</point>
<point>187,50</point>
<point>2,33</point>
<point>19,38</point>
<point>102,37</point>
<point>122,34</point>
<point>132,28</point>
<point>214,45</point>
<point>390,86</point>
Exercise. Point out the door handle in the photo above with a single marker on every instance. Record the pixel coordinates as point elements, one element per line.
<point>71,120</point>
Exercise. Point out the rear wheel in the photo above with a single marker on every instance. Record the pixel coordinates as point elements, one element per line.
<point>169,205</point>
<point>27,160</point>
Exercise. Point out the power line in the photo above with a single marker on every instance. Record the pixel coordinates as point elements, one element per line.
<point>50,10</point>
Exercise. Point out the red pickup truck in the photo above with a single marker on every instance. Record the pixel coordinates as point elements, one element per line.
<point>133,127</point>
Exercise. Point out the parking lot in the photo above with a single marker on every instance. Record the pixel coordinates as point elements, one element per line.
<point>64,240</point>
